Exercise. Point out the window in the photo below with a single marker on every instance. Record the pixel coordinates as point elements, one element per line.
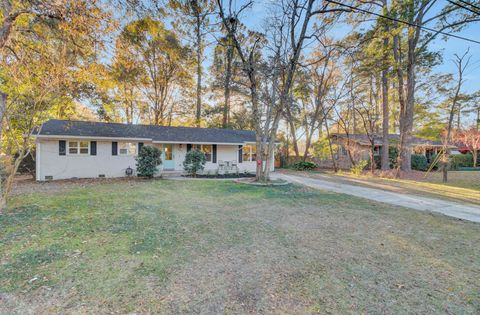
<point>78,147</point>
<point>168,152</point>
<point>249,153</point>
<point>206,149</point>
<point>127,148</point>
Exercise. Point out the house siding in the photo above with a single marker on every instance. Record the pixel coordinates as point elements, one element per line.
<point>50,163</point>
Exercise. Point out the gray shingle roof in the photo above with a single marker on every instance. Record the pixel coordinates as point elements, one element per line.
<point>363,139</point>
<point>55,127</point>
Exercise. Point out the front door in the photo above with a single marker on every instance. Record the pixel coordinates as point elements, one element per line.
<point>168,156</point>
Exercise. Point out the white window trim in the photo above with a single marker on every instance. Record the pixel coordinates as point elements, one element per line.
<point>127,154</point>
<point>78,147</point>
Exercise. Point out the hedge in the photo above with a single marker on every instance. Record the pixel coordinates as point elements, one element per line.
<point>461,160</point>
<point>419,162</point>
<point>303,166</point>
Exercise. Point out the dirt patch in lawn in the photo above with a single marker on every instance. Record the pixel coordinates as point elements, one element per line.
<point>26,185</point>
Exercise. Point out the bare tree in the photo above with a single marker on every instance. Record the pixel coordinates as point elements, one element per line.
<point>288,34</point>
<point>461,63</point>
<point>314,82</point>
<point>369,116</point>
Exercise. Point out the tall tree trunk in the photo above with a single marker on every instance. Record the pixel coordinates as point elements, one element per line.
<point>459,116</point>
<point>385,162</point>
<point>372,156</point>
<point>405,149</point>
<point>198,114</point>
<point>293,132</point>
<point>397,55</point>
<point>228,75</point>
<point>308,141</point>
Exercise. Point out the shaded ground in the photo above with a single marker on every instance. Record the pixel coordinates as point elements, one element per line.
<point>430,186</point>
<point>218,247</point>
<point>25,184</point>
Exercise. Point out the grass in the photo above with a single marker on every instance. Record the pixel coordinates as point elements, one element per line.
<point>219,247</point>
<point>461,179</point>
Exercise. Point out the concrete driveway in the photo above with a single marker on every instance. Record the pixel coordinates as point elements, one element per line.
<point>468,212</point>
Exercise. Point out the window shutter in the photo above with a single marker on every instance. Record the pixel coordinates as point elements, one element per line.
<point>240,153</point>
<point>93,147</point>
<point>62,147</point>
<point>189,147</point>
<point>140,146</point>
<point>114,148</point>
<point>214,153</point>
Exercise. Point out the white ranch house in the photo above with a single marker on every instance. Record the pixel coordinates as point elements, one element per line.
<point>80,149</point>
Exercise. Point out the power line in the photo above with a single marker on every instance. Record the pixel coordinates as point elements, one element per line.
<point>404,22</point>
<point>463,7</point>
<point>470,4</point>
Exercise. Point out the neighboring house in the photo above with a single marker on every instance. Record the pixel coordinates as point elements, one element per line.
<point>80,149</point>
<point>359,146</point>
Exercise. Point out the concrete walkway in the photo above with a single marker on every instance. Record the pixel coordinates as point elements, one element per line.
<point>457,210</point>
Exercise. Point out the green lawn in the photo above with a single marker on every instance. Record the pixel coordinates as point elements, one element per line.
<point>170,246</point>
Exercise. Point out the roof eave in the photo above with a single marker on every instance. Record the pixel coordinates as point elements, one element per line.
<point>57,137</point>
<point>90,137</point>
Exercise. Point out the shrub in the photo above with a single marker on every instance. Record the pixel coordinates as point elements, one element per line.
<point>419,162</point>
<point>392,157</point>
<point>359,167</point>
<point>304,166</point>
<point>461,160</point>
<point>194,162</point>
<point>147,161</point>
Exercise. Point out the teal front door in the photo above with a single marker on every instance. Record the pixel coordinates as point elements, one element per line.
<point>168,156</point>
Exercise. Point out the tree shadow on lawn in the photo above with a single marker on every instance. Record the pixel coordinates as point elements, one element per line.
<point>209,247</point>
